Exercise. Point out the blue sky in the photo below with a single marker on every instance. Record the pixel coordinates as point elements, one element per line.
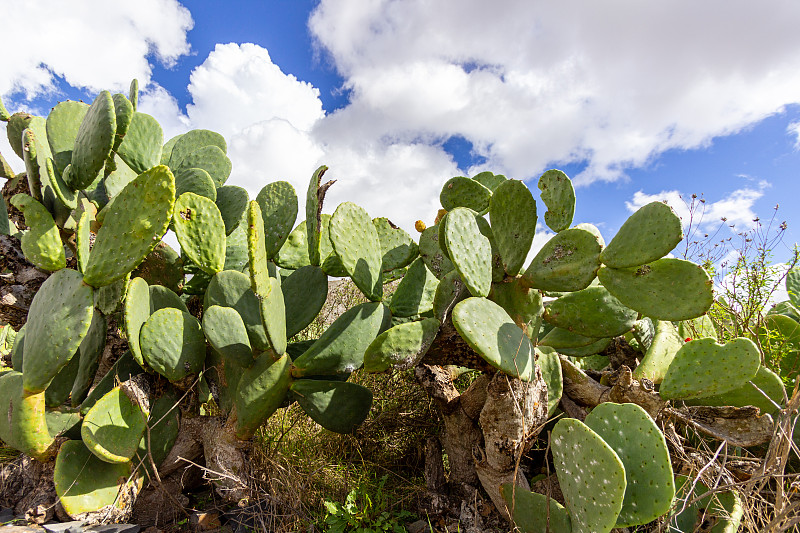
<point>635,102</point>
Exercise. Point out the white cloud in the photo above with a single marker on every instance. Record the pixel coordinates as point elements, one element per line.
<point>736,207</point>
<point>532,83</point>
<point>92,44</point>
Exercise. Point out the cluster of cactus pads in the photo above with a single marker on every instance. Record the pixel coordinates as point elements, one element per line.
<point>104,188</point>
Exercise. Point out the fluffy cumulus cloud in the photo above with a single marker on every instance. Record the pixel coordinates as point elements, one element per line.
<point>734,209</point>
<point>92,44</point>
<point>536,83</point>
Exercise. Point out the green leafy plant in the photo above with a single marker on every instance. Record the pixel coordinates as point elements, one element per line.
<point>365,510</point>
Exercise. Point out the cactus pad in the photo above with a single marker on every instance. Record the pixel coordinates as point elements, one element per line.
<point>591,312</point>
<point>649,234</point>
<point>337,406</point>
<point>415,292</point>
<point>401,346</point>
<point>356,242</point>
<point>431,252</point>
<point>449,292</point>
<point>183,145</point>
<point>667,289</point>
<point>567,262</point>
<point>63,124</point>
<point>643,451</point>
<point>114,426</point>
<point>273,316</point>
<point>558,195</point>
<point>488,330</point>
<point>590,474</point>
<point>304,293</point>
<point>530,511</point>
<point>195,180</point>
<point>765,379</point>
<point>694,373</point>
<point>512,211</point>
<point>665,344</point>
<point>278,202</point>
<point>465,192</point>
<point>84,483</point>
<point>88,356</point>
<point>314,199</point>
<point>59,318</point>
<point>137,311</point>
<point>141,147</point>
<point>523,304</point>
<point>225,331</point>
<point>232,202</point>
<point>211,159</point>
<point>489,180</point>
<point>550,364</point>
<point>470,251</point>
<point>173,344</point>
<point>340,349</point>
<point>200,231</point>
<point>93,142</point>
<point>232,289</point>
<point>260,392</point>
<point>133,227</point>
<point>42,243</point>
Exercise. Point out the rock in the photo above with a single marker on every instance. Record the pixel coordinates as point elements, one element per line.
<point>114,528</point>
<point>74,526</point>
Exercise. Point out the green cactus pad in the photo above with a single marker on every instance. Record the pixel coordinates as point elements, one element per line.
<point>530,511</point>
<point>58,390</point>
<point>63,124</point>
<point>591,312</point>
<point>470,251</point>
<point>141,147</point>
<point>261,390</point>
<point>567,262</point>
<point>201,232</point>
<point>649,234</point>
<point>489,180</point>
<point>236,254</point>
<point>498,271</point>
<point>667,289</point>
<point>122,370</point>
<point>195,180</point>
<point>232,202</point>
<point>558,195</point>
<point>356,242</point>
<point>137,311</point>
<point>590,350</point>
<point>449,292</point>
<point>698,328</point>
<point>58,320</point>
<point>83,237</point>
<point>488,330</point>
<point>191,141</point>
<point>166,150</point>
<point>162,266</point>
<point>512,211</point>
<point>337,406</point>
<point>173,344</point>
<point>88,357</point>
<point>304,294</point>
<point>34,163</point>
<point>722,509</point>
<point>694,373</point>
<point>590,474</point>
<point>401,346</point>
<point>524,305</point>
<point>643,451</point>
<point>397,246</point>
<point>464,192</point>
<point>114,426</point>
<point>294,252</point>
<point>560,338</point>
<point>211,159</point>
<point>550,364</point>
<point>162,297</point>
<point>273,316</point>
<point>84,483</point>
<point>415,292</point>
<point>226,333</point>
<point>123,111</point>
<point>278,202</point>
<point>431,252</point>
<point>29,424</point>
<point>164,424</point>
<point>666,343</point>
<point>232,289</point>
<point>118,178</point>
<point>93,142</point>
<point>42,243</point>
<point>340,349</point>
<point>793,285</point>
<point>17,123</point>
<point>257,254</point>
<point>133,227</point>
<point>765,379</point>
<point>10,393</point>
<point>314,199</point>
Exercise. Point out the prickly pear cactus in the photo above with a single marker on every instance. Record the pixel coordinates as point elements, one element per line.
<point>219,317</point>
